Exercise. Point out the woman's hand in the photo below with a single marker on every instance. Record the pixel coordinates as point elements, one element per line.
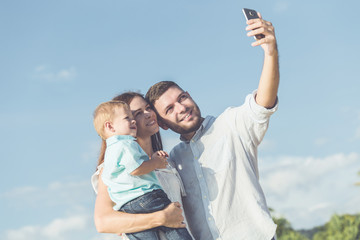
<point>173,217</point>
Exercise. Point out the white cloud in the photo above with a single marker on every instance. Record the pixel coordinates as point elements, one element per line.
<point>57,229</point>
<point>68,205</point>
<point>319,206</point>
<point>59,226</point>
<point>267,145</point>
<point>45,73</point>
<point>107,237</point>
<point>308,190</point>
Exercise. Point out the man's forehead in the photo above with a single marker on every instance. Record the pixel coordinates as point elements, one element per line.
<point>169,95</point>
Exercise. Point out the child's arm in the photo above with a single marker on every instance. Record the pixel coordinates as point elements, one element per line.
<point>157,161</point>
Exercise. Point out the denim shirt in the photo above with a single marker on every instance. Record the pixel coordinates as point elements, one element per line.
<point>219,169</point>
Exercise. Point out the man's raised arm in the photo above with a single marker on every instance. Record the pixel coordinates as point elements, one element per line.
<point>269,81</point>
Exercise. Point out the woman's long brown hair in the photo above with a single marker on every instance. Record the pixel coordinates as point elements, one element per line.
<point>155,139</point>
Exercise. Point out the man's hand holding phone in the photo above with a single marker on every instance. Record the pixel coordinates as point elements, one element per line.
<point>262,30</point>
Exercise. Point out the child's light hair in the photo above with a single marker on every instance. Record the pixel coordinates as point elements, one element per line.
<point>105,112</point>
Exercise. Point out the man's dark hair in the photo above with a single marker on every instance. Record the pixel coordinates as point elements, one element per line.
<point>157,90</point>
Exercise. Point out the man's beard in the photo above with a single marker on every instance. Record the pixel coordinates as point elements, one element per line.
<point>185,130</point>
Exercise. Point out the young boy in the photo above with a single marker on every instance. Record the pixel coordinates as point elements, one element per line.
<point>128,172</point>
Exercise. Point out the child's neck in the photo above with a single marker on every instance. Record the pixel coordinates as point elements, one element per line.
<point>146,145</point>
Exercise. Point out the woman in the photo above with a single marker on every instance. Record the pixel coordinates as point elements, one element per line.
<point>109,221</point>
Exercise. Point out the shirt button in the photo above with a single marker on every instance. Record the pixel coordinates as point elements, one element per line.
<point>200,175</point>
<point>205,197</point>
<point>210,218</point>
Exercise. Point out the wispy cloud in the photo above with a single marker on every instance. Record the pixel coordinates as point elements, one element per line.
<point>73,227</point>
<point>357,133</point>
<point>24,190</point>
<point>353,116</point>
<point>46,73</point>
<point>74,199</point>
<point>321,141</point>
<point>308,190</point>
<point>58,193</point>
<point>57,229</point>
<point>92,152</point>
<point>267,145</point>
<point>281,6</point>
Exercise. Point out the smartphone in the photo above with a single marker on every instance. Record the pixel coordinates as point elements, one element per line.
<point>252,14</point>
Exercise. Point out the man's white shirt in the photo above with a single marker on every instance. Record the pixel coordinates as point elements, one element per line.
<point>219,169</point>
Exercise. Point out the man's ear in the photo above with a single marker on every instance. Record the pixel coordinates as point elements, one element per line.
<point>163,125</point>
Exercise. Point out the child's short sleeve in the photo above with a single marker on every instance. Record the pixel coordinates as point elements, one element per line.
<point>133,157</point>
<point>122,158</point>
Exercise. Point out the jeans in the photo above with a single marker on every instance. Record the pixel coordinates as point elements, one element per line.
<point>152,202</point>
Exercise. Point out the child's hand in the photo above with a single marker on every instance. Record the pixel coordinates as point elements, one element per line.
<point>161,153</point>
<point>159,159</point>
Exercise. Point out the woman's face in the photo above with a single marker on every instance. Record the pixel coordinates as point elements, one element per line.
<point>145,118</point>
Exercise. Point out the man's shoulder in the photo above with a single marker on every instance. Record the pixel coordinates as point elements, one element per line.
<point>228,114</point>
<point>177,148</point>
<point>177,151</point>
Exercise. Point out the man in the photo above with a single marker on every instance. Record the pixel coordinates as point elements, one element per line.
<point>217,158</point>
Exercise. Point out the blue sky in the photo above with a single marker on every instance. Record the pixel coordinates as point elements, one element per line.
<point>60,59</point>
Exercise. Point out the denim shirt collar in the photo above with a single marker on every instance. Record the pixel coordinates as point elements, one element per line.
<point>205,125</point>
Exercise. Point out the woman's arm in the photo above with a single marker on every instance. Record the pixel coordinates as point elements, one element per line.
<point>107,220</point>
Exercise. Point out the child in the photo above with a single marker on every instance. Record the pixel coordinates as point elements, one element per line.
<point>128,172</point>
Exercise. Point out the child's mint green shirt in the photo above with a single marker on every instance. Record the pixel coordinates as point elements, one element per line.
<point>122,156</point>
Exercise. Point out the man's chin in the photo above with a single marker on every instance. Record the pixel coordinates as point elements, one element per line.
<point>189,128</point>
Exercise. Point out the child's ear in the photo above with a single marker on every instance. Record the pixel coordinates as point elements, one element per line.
<point>163,125</point>
<point>108,126</point>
